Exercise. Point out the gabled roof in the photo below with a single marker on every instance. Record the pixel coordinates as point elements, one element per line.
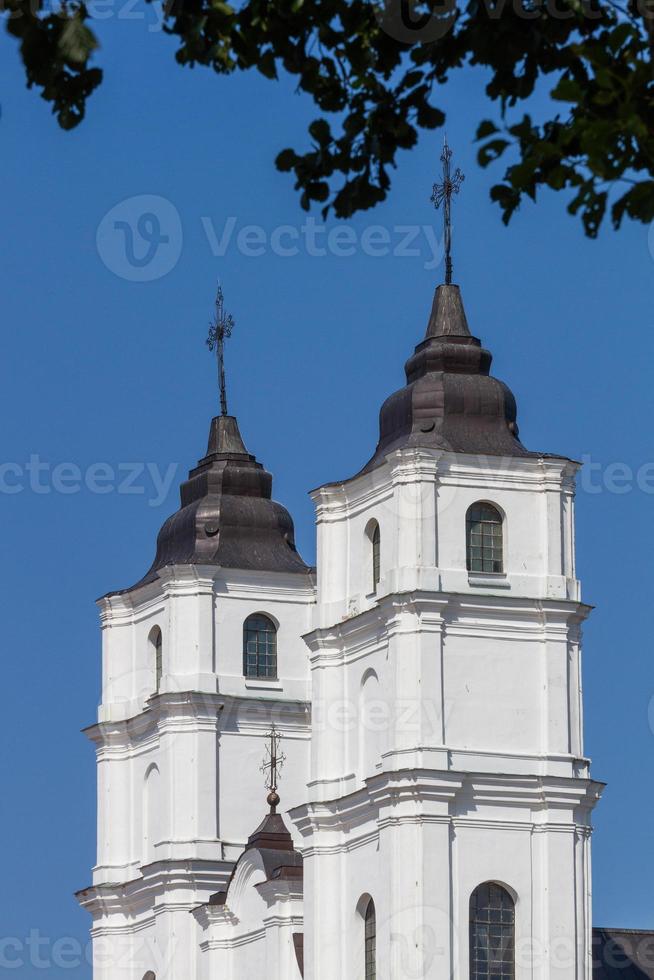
<point>275,846</point>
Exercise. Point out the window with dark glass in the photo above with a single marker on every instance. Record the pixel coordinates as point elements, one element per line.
<point>485,539</point>
<point>156,644</point>
<point>376,557</point>
<point>371,941</point>
<point>259,647</point>
<point>492,933</point>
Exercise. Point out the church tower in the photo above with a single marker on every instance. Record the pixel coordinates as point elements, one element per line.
<point>201,658</point>
<point>434,819</point>
<point>446,828</point>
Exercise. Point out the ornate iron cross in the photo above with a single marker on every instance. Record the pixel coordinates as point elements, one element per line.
<point>272,767</point>
<point>219,329</point>
<point>442,194</point>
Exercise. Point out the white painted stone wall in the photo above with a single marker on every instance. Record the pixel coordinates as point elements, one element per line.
<point>432,724</point>
<point>447,745</point>
<point>179,786</point>
<point>253,936</point>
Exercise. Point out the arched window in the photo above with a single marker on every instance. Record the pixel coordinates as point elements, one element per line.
<point>156,650</point>
<point>492,933</point>
<point>149,976</point>
<point>484,538</point>
<point>374,535</point>
<point>370,942</point>
<point>259,647</point>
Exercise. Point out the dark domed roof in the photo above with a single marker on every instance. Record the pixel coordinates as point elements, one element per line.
<point>450,401</point>
<point>227,516</point>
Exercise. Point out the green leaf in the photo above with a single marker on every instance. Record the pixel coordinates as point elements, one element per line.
<point>638,203</point>
<point>76,42</point>
<point>373,91</point>
<point>618,36</point>
<point>286,159</point>
<point>491,151</point>
<point>508,200</point>
<point>486,128</point>
<point>267,66</point>
<point>567,90</point>
<point>429,117</point>
<point>321,132</point>
<point>220,7</point>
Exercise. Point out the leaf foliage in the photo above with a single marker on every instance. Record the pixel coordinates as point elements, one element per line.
<point>374,93</point>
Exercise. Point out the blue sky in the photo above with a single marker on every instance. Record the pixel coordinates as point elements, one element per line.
<point>98,369</point>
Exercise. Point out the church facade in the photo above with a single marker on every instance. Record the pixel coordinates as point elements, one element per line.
<point>424,679</point>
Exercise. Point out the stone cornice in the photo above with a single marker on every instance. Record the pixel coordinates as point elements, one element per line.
<point>423,795</point>
<point>154,891</point>
<point>282,891</point>
<point>196,711</point>
<point>505,616</point>
<point>410,465</point>
<point>176,581</point>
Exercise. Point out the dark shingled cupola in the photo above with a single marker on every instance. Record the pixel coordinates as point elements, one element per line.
<point>450,401</point>
<point>227,516</point>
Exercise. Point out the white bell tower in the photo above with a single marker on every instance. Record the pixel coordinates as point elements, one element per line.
<point>200,659</point>
<point>447,823</point>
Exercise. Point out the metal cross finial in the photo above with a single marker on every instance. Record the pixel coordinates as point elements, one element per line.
<point>272,767</point>
<point>442,194</point>
<point>220,328</point>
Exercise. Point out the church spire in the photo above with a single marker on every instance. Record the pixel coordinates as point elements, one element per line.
<point>450,401</point>
<point>442,194</point>
<point>220,329</point>
<point>227,515</point>
<point>448,317</point>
